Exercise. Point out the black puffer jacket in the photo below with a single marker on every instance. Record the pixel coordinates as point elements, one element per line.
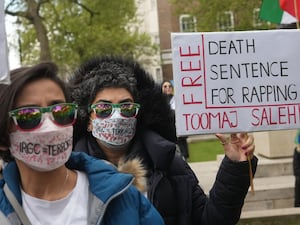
<point>173,187</point>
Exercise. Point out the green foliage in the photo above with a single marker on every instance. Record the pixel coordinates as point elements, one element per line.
<point>276,220</point>
<point>207,13</point>
<point>78,30</point>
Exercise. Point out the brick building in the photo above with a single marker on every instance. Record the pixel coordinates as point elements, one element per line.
<point>159,20</point>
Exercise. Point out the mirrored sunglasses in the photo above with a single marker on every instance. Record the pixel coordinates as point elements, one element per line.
<point>30,118</point>
<point>126,109</point>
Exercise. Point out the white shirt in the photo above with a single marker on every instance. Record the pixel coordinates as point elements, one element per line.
<point>172,103</point>
<point>71,210</point>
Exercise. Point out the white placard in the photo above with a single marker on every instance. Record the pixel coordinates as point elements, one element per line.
<point>236,81</point>
<point>4,68</point>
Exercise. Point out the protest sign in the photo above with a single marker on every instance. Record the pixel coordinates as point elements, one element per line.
<point>236,81</point>
<point>4,68</point>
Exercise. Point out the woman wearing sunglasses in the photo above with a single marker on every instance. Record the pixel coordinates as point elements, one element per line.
<point>123,115</point>
<point>44,182</point>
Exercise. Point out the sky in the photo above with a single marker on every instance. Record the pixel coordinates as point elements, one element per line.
<point>12,40</point>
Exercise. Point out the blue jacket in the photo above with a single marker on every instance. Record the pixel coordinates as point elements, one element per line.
<point>113,199</point>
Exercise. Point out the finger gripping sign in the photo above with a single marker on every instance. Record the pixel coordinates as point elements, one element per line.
<point>236,81</point>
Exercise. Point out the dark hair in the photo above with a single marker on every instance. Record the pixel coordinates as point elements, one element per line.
<point>119,72</point>
<point>95,75</point>
<point>167,81</point>
<point>9,93</point>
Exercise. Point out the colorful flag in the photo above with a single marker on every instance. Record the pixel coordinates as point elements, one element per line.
<point>4,68</point>
<point>291,6</point>
<point>270,11</point>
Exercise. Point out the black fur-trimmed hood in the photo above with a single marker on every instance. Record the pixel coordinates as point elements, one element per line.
<point>109,71</point>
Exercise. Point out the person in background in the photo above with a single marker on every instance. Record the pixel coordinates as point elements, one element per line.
<point>296,169</point>
<point>123,116</point>
<point>45,182</point>
<point>168,90</point>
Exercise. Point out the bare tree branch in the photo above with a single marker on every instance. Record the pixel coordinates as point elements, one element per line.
<point>32,15</point>
<point>40,3</point>
<point>91,12</point>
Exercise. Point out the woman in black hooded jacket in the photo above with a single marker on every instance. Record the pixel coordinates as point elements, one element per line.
<point>104,88</point>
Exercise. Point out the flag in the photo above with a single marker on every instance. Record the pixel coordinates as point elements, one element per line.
<point>291,6</point>
<point>4,68</point>
<point>271,11</point>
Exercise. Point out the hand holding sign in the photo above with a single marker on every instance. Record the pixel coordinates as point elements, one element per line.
<point>240,147</point>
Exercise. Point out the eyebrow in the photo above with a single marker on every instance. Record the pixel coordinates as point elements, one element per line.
<point>122,101</point>
<point>53,102</point>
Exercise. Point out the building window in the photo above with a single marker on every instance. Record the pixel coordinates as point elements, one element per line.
<point>158,75</point>
<point>225,21</point>
<point>256,20</point>
<point>188,23</point>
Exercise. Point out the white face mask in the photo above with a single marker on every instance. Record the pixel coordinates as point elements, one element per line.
<point>115,132</point>
<point>45,148</point>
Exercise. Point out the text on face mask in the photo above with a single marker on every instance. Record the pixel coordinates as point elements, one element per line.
<point>51,150</point>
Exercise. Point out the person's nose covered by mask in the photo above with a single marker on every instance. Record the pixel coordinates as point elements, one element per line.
<point>115,131</point>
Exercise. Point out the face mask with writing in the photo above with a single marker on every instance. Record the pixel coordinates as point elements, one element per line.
<point>114,132</point>
<point>45,148</point>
